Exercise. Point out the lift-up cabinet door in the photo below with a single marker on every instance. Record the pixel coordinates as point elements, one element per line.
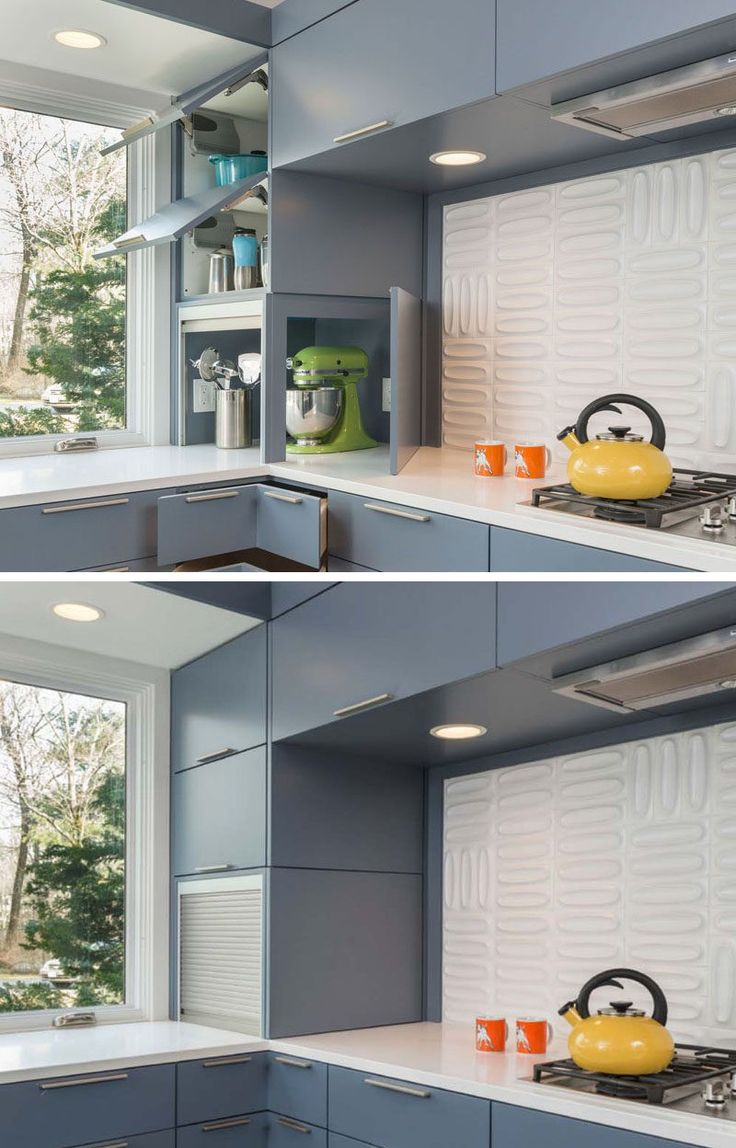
<point>360,645</point>
<point>376,65</point>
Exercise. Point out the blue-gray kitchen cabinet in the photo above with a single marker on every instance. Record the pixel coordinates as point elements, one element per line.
<point>292,16</point>
<point>286,595</point>
<point>221,1086</point>
<point>517,551</point>
<point>399,1114</point>
<point>218,702</point>
<point>219,815</point>
<point>147,1140</point>
<point>360,645</point>
<point>297,1088</point>
<point>247,1131</point>
<point>287,1132</point>
<point>90,1108</point>
<point>375,65</point>
<point>512,1126</point>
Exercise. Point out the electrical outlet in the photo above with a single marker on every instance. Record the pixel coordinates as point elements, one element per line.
<point>386,395</point>
<point>203,400</point>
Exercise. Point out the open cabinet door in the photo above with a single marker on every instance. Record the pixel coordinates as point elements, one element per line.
<point>406,378</point>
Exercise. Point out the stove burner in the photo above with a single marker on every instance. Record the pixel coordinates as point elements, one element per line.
<point>621,1091</point>
<point>620,512</point>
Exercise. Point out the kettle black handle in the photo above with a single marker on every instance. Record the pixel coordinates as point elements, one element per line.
<point>605,404</point>
<point>607,978</point>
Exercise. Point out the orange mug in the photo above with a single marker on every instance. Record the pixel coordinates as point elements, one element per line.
<point>531,460</point>
<point>490,459</point>
<point>532,1035</point>
<point>491,1034</point>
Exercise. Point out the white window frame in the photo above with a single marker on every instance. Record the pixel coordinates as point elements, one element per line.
<point>145,691</point>
<point>148,294</point>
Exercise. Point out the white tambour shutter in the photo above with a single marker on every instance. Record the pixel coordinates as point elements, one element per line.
<point>221,953</point>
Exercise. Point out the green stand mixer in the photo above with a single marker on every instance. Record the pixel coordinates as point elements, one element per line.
<point>322,408</point>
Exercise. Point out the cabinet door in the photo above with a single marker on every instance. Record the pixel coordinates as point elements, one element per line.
<point>406,378</point>
<point>297,1088</point>
<point>219,815</point>
<point>375,65</point>
<point>220,1086</point>
<point>512,1126</point>
<point>206,522</point>
<point>286,1132</point>
<point>361,644</point>
<point>233,1132</point>
<point>517,551</point>
<point>218,702</point>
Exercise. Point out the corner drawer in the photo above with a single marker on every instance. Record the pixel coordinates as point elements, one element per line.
<point>298,1088</point>
<point>206,522</point>
<point>233,1132</point>
<point>78,534</point>
<point>218,1088</point>
<point>293,525</point>
<point>398,1114</point>
<point>285,1132</point>
<point>85,1109</point>
<point>148,1140</point>
<point>387,536</point>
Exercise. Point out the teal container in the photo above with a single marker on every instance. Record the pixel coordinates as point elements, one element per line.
<point>245,247</point>
<point>231,168</point>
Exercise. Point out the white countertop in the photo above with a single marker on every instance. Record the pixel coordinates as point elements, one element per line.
<point>436,480</point>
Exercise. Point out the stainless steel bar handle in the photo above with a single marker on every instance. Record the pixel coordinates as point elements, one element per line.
<point>366,131</point>
<point>116,1144</point>
<point>116,570</point>
<point>404,1089</point>
<point>213,496</point>
<point>223,1061</point>
<point>221,1125</point>
<point>52,1085</point>
<point>283,497</point>
<point>214,755</point>
<point>85,506</point>
<point>295,1125</point>
<point>397,513</point>
<point>213,868</point>
<point>292,1062</point>
<point>364,705</point>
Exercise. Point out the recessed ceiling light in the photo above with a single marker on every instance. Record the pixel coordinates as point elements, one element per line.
<point>77,612</point>
<point>462,158</point>
<point>726,110</point>
<point>78,38</point>
<point>458,732</point>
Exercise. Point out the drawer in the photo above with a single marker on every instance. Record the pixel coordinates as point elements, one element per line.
<point>86,1109</point>
<point>293,525</point>
<point>219,815</point>
<point>517,551</point>
<point>148,1140</point>
<point>233,1132</point>
<point>284,1132</point>
<point>218,1088</point>
<point>513,1126</point>
<point>79,534</point>
<point>298,1088</point>
<point>206,522</point>
<point>398,1114</point>
<point>386,536</point>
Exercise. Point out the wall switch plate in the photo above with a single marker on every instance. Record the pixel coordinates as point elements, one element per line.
<point>386,395</point>
<point>203,400</point>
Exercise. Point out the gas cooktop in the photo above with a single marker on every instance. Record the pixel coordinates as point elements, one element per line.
<point>699,1079</point>
<point>698,504</point>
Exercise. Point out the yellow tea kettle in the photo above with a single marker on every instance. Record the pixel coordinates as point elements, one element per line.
<point>619,1039</point>
<point>617,464</point>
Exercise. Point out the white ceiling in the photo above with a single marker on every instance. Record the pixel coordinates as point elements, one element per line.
<point>141,624</point>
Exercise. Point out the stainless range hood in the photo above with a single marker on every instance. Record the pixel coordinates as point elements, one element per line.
<point>675,99</point>
<point>666,676</point>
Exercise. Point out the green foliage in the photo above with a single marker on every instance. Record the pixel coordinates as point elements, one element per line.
<point>29,420</point>
<point>33,995</point>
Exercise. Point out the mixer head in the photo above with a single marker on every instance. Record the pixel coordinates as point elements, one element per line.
<point>328,366</point>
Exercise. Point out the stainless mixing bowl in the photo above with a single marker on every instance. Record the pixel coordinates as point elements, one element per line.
<point>312,413</point>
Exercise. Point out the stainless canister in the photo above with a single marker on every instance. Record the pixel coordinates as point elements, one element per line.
<point>221,271</point>
<point>232,418</point>
<point>264,254</point>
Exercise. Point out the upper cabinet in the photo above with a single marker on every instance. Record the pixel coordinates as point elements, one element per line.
<point>376,65</point>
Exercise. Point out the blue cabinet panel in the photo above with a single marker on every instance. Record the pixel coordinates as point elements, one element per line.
<point>398,1114</point>
<point>87,1108</point>
<point>512,1126</point>
<point>340,566</point>
<point>517,551</point>
<point>219,814</point>
<point>218,702</point>
<point>285,1132</point>
<point>286,595</point>
<point>199,525</point>
<point>365,641</point>
<point>234,1132</point>
<point>297,1088</point>
<point>293,525</point>
<point>292,16</point>
<point>220,1087</point>
<point>148,1140</point>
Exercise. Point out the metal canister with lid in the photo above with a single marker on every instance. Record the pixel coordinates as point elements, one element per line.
<point>245,252</point>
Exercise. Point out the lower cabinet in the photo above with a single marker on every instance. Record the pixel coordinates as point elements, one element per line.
<point>512,1126</point>
<point>220,1087</point>
<point>148,1140</point>
<point>518,552</point>
<point>297,1088</point>
<point>234,1132</point>
<point>285,1132</point>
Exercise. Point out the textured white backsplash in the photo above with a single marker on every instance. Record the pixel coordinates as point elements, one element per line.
<point>624,856</point>
<point>621,282</point>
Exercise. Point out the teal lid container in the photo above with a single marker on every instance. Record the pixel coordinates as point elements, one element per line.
<point>245,247</point>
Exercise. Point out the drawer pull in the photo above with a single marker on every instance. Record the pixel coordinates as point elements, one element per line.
<point>213,496</point>
<point>85,506</point>
<point>115,570</point>
<point>116,1144</point>
<point>54,1084</point>
<point>293,1124</point>
<point>404,1089</point>
<point>366,131</point>
<point>292,1062</point>
<point>214,756</point>
<point>213,868</point>
<point>223,1061</point>
<point>412,516</point>
<point>221,1125</point>
<point>293,498</point>
<point>365,705</point>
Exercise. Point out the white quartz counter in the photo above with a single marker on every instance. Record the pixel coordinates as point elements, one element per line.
<point>436,480</point>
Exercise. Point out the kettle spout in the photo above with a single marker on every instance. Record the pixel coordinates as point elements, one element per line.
<point>570,1013</point>
<point>569,438</point>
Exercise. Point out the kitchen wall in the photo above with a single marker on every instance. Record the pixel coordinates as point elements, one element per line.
<point>626,281</point>
<point>620,856</point>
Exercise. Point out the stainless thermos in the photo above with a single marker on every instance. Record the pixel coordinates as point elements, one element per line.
<point>232,418</point>
<point>221,271</point>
